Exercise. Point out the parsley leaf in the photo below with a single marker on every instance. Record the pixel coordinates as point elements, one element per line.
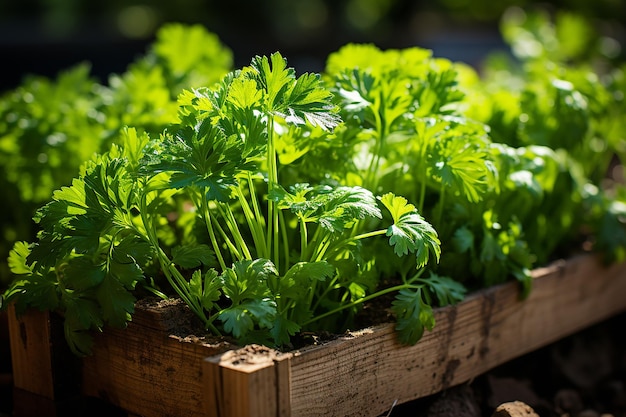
<point>410,232</point>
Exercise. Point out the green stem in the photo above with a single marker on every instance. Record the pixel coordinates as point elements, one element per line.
<point>285,239</point>
<point>254,218</point>
<point>272,210</point>
<point>321,248</point>
<point>347,241</point>
<point>372,173</point>
<point>359,301</point>
<point>231,223</point>
<point>303,238</point>
<point>207,220</point>
<point>328,288</point>
<point>177,281</point>
<point>234,252</point>
<point>156,292</point>
<point>311,249</point>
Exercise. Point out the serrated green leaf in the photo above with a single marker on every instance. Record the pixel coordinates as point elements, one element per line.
<point>81,273</point>
<point>309,101</point>
<point>243,93</point>
<point>73,196</point>
<point>275,78</point>
<point>460,158</point>
<point>78,215</point>
<point>282,329</point>
<point>397,206</point>
<point>116,302</point>
<point>80,342</point>
<point>206,288</point>
<point>127,259</point>
<point>134,145</point>
<point>199,155</point>
<point>334,208</point>
<point>413,315</point>
<point>133,247</point>
<point>295,199</point>
<point>310,271</point>
<point>18,259</point>
<point>126,271</point>
<point>344,205</point>
<point>410,232</point>
<point>39,290</point>
<point>247,279</point>
<point>241,318</point>
<point>298,279</point>
<point>81,313</point>
<point>298,100</point>
<point>236,320</point>
<point>447,290</point>
<point>192,256</point>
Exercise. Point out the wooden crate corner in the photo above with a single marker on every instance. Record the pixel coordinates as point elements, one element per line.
<point>254,381</point>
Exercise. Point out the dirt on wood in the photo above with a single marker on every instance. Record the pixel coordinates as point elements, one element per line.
<point>583,375</point>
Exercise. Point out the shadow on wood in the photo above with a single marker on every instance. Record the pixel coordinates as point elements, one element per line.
<point>146,370</point>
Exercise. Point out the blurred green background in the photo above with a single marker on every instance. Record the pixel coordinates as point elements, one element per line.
<point>46,36</point>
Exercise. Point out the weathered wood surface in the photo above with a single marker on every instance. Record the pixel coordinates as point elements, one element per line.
<point>31,352</point>
<point>150,373</point>
<point>43,369</point>
<point>253,381</point>
<point>145,370</point>
<point>363,375</point>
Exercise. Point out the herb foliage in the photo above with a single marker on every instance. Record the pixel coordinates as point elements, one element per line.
<point>283,258</point>
<point>274,203</point>
<point>50,127</point>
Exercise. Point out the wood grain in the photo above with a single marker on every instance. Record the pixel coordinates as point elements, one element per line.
<point>252,381</point>
<point>31,353</point>
<point>364,374</point>
<point>146,371</point>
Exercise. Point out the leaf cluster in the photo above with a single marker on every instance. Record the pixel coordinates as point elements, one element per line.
<point>50,127</point>
<point>274,203</point>
<point>254,259</point>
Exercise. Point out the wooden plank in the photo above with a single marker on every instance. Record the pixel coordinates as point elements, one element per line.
<point>31,353</point>
<point>146,371</point>
<point>250,382</point>
<point>45,373</point>
<point>6,377</point>
<point>362,375</point>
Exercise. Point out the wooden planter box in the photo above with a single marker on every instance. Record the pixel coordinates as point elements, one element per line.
<point>149,372</point>
<point>6,377</point>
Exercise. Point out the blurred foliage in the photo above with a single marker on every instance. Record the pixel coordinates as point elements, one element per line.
<point>562,88</point>
<point>47,36</point>
<point>303,24</point>
<point>50,126</point>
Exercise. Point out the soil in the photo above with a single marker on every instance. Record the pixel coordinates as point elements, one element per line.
<point>583,375</point>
